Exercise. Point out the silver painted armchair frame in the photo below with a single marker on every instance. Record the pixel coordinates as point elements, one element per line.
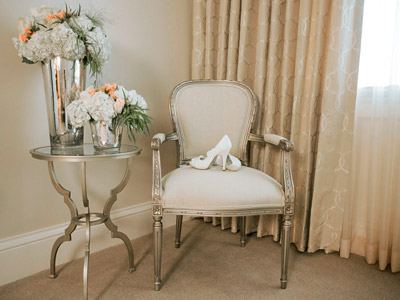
<point>286,211</point>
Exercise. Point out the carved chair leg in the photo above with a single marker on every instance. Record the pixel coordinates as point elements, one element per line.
<point>157,233</point>
<point>280,221</point>
<point>242,232</point>
<point>286,233</point>
<point>178,231</point>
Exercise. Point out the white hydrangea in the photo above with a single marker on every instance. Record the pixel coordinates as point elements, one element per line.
<point>61,41</point>
<point>97,105</point>
<point>77,113</point>
<point>98,40</point>
<point>81,23</point>
<point>62,38</point>
<point>101,107</point>
<point>132,97</point>
<point>64,43</point>
<point>120,92</point>
<point>24,23</point>
<point>40,15</point>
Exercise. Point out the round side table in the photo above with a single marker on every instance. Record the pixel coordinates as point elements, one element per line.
<point>82,155</point>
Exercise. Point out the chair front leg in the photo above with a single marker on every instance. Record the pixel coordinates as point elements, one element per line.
<point>178,231</point>
<point>242,232</point>
<point>286,234</point>
<point>157,234</point>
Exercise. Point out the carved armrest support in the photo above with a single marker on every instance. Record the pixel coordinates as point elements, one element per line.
<point>288,184</point>
<point>273,139</point>
<point>156,143</point>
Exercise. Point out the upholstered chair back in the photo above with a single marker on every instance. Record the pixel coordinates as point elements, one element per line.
<point>203,111</point>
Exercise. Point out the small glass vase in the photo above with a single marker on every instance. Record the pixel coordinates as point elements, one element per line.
<point>105,137</point>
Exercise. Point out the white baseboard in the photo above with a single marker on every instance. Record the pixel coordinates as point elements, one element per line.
<point>26,254</point>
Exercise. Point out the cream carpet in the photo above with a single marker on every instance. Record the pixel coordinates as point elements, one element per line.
<point>211,265</point>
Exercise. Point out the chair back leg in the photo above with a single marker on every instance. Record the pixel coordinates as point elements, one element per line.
<point>286,234</point>
<point>178,231</point>
<point>157,235</point>
<point>242,232</point>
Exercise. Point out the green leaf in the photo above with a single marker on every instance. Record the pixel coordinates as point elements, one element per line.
<point>27,61</point>
<point>40,24</point>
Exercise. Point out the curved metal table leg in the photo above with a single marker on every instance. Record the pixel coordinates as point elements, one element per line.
<point>71,227</point>
<point>110,225</point>
<point>87,255</point>
<point>85,201</point>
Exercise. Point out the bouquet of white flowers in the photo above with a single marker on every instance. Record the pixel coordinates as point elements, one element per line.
<point>70,34</point>
<point>113,104</point>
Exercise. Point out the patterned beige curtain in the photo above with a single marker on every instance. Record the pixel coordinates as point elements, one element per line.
<point>301,59</point>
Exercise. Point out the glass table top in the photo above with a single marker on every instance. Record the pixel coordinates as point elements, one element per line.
<point>84,153</point>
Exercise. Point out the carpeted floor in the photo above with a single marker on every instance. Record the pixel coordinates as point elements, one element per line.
<point>211,265</point>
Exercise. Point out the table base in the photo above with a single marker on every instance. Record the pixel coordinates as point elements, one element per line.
<point>88,219</point>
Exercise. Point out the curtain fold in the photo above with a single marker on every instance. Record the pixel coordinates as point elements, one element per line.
<point>301,60</point>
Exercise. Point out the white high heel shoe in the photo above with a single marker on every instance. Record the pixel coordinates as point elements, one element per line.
<point>220,150</point>
<point>232,163</point>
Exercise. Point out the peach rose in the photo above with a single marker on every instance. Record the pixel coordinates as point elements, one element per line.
<point>23,37</point>
<point>111,93</point>
<point>57,16</point>
<point>60,15</point>
<point>110,87</point>
<point>119,105</point>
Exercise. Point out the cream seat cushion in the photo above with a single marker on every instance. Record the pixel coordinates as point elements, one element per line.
<point>214,189</point>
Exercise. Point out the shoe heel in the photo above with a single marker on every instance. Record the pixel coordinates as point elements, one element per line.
<point>224,158</point>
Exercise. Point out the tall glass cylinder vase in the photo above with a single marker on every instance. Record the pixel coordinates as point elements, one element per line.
<point>62,79</point>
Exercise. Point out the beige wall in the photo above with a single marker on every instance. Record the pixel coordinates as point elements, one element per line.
<point>151,43</point>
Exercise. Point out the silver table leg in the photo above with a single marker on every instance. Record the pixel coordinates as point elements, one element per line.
<point>87,255</point>
<point>71,227</point>
<point>84,220</point>
<point>85,201</point>
<point>110,225</point>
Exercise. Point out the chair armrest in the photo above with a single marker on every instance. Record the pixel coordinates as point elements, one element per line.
<point>286,167</point>
<point>160,138</point>
<point>156,143</point>
<point>273,139</point>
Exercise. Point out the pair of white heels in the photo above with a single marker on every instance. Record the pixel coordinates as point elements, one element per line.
<point>219,155</point>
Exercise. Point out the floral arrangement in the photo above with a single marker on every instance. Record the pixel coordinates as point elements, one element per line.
<point>70,34</point>
<point>111,103</point>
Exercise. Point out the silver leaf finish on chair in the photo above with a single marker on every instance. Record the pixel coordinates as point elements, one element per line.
<point>202,112</point>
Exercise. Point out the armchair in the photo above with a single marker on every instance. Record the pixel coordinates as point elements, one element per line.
<point>202,112</point>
